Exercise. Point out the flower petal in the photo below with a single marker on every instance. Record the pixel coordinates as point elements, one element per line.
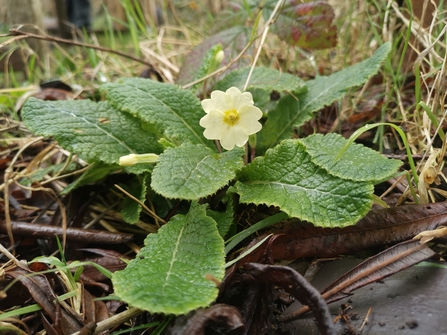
<point>239,99</point>
<point>208,105</point>
<point>250,112</point>
<point>221,101</point>
<point>213,124</point>
<point>239,105</point>
<point>251,127</point>
<point>234,136</point>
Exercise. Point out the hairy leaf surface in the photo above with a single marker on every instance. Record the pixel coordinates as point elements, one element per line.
<point>292,112</point>
<point>194,171</point>
<point>286,177</point>
<point>262,78</point>
<point>358,162</point>
<point>175,113</point>
<point>168,275</point>
<point>97,131</point>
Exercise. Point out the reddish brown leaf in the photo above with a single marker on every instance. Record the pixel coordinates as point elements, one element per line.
<point>378,227</point>
<point>111,260</point>
<point>307,25</point>
<point>42,293</point>
<point>382,265</point>
<point>378,267</point>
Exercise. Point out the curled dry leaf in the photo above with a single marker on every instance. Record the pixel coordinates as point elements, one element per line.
<point>42,293</point>
<point>221,315</point>
<point>295,284</point>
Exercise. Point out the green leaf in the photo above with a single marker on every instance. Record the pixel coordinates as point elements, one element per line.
<point>97,131</point>
<point>174,112</point>
<point>358,163</point>
<point>194,171</point>
<point>168,275</point>
<point>322,91</point>
<point>286,177</point>
<point>263,78</point>
<point>131,209</point>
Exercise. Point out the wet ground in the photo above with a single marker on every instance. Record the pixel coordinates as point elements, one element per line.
<point>413,301</point>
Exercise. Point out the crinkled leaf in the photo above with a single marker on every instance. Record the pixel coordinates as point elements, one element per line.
<point>286,177</point>
<point>168,275</point>
<point>322,91</point>
<point>232,40</point>
<point>97,131</point>
<point>358,163</point>
<point>262,78</point>
<point>131,209</point>
<point>174,112</point>
<point>194,171</point>
<point>307,25</point>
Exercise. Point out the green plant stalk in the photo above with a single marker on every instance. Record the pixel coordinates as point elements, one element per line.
<point>132,25</point>
<point>246,252</point>
<point>433,119</point>
<point>410,185</point>
<point>138,14</point>
<point>254,30</point>
<point>161,327</point>
<point>361,130</point>
<point>31,69</point>
<point>145,326</point>
<point>109,29</point>
<point>236,239</point>
<point>379,201</point>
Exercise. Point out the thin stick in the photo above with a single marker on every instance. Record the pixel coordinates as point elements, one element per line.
<point>279,4</point>
<point>365,321</point>
<point>222,69</point>
<point>155,216</point>
<point>15,32</point>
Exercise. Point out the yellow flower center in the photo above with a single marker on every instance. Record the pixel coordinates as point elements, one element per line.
<point>231,117</point>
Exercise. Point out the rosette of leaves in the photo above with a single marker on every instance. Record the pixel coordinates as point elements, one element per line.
<point>304,178</point>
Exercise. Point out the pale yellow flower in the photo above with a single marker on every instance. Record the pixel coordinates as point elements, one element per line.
<point>230,117</point>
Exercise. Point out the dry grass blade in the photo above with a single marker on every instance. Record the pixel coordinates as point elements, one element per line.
<point>382,265</point>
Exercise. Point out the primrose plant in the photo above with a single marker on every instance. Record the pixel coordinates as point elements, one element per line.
<point>234,147</point>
